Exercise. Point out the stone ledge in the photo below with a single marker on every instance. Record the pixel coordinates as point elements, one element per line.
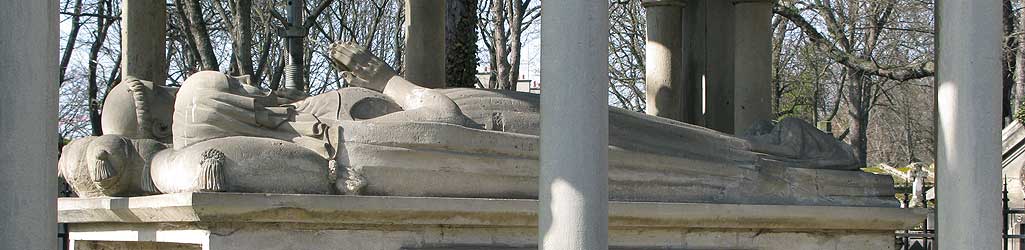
<point>653,3</point>
<point>338,209</point>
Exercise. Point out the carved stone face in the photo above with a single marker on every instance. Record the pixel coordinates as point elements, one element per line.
<point>140,110</point>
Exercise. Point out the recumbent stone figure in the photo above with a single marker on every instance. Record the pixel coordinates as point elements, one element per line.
<point>388,136</point>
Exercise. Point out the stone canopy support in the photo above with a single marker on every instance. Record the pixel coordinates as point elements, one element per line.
<point>664,60</point>
<point>968,154</point>
<point>710,66</point>
<point>708,62</point>
<point>424,61</point>
<point>752,63</point>
<point>143,40</point>
<point>28,124</point>
<point>573,194</point>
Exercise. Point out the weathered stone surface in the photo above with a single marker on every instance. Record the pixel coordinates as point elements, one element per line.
<point>28,123</point>
<point>380,210</point>
<point>124,245</point>
<point>967,121</point>
<point>391,137</point>
<point>274,237</point>
<point>752,63</point>
<point>424,56</point>
<point>665,90</point>
<point>268,221</point>
<point>143,40</point>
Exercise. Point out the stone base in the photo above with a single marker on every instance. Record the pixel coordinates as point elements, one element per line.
<point>221,221</point>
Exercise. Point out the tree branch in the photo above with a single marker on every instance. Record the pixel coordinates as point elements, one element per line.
<point>823,44</point>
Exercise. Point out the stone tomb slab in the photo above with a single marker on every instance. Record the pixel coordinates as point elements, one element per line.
<point>228,221</point>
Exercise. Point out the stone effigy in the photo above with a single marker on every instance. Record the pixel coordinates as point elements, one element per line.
<point>388,136</point>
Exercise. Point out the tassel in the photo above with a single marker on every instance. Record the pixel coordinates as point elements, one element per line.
<point>102,168</point>
<point>211,175</point>
<point>147,185</point>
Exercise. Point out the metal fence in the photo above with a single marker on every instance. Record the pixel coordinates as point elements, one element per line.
<point>1009,235</point>
<point>1013,230</point>
<point>62,229</point>
<point>917,239</point>
<point>921,237</point>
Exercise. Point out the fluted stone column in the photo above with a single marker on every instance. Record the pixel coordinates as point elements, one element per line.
<point>752,63</point>
<point>424,62</point>
<point>968,123</point>
<point>143,36</point>
<point>664,59</point>
<point>28,124</point>
<point>573,192</point>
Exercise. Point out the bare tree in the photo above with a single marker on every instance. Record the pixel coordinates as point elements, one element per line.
<point>69,47</point>
<point>461,43</point>
<point>854,32</point>
<point>102,25</point>
<point>1019,67</point>
<point>502,25</point>
<point>241,33</point>
<point>626,54</point>
<point>197,27</point>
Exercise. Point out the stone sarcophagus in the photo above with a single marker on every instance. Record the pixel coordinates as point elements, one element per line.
<point>333,165</point>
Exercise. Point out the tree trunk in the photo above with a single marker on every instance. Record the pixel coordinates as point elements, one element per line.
<point>69,47</point>
<point>779,34</point>
<point>1019,66</point>
<point>115,74</point>
<point>500,55</point>
<point>400,39</point>
<point>276,75</point>
<point>200,36</point>
<point>858,111</point>
<point>189,43</point>
<point>243,34</point>
<point>1007,69</point>
<point>264,58</point>
<point>461,43</point>
<point>516,8</point>
<point>102,24</point>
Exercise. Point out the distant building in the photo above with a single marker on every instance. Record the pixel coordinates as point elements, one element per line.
<point>529,86</point>
<point>523,85</point>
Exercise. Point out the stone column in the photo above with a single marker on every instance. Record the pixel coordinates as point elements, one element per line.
<point>968,124</point>
<point>573,193</point>
<point>664,59</point>
<point>424,62</point>
<point>695,49</point>
<point>28,124</point>
<point>716,78</point>
<point>143,36</point>
<point>752,63</point>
